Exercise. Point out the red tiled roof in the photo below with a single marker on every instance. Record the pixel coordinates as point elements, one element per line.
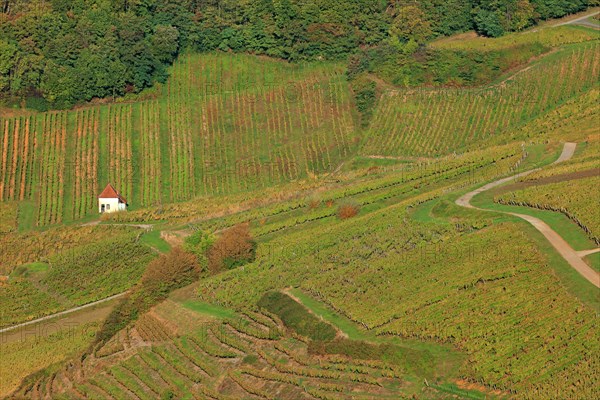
<point>110,192</point>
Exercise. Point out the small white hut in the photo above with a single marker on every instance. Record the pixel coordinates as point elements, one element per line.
<point>111,201</point>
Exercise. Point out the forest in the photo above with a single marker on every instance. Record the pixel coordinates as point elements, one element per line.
<point>58,53</point>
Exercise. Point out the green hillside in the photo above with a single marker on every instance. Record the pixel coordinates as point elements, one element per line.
<point>232,123</point>
<point>281,245</point>
<point>433,122</point>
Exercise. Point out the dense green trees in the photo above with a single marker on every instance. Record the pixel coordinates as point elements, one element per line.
<point>70,51</point>
<point>496,17</point>
<point>73,51</point>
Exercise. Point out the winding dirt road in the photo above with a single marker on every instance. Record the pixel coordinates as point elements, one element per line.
<point>584,20</point>
<point>564,249</point>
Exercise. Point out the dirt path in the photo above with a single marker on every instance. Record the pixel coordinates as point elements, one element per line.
<point>141,226</point>
<point>585,253</point>
<point>72,310</point>
<point>564,249</point>
<point>582,21</point>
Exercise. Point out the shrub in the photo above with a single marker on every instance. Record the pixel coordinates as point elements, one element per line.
<point>235,247</point>
<point>167,395</point>
<point>198,243</point>
<point>296,317</point>
<point>37,103</point>
<point>172,270</point>
<point>313,202</point>
<point>346,211</point>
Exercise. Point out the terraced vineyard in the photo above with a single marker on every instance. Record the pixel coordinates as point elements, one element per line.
<point>472,279</point>
<point>431,122</point>
<point>223,123</point>
<point>306,202</point>
<point>42,346</point>
<point>571,198</point>
<point>248,356</point>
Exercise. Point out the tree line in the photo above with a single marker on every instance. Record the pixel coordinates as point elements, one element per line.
<point>57,53</point>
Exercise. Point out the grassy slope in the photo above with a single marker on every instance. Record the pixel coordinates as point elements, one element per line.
<point>548,36</point>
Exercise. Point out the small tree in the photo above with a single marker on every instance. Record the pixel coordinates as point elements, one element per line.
<point>235,247</point>
<point>410,23</point>
<point>170,271</point>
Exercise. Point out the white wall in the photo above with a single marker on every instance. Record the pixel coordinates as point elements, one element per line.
<point>110,205</point>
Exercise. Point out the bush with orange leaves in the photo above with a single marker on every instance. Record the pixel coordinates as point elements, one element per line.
<point>235,247</point>
<point>346,211</point>
<point>169,271</point>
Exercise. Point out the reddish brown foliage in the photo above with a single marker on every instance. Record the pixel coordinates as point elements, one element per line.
<point>234,247</point>
<point>346,211</point>
<point>173,269</point>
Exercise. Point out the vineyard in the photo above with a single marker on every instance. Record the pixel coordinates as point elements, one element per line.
<point>18,143</point>
<point>356,267</point>
<point>52,169</point>
<point>223,124</point>
<point>87,268</point>
<point>432,122</point>
<point>571,198</point>
<point>247,356</point>
<point>245,123</point>
<point>226,124</point>
<point>278,208</point>
<point>407,297</point>
<point>84,182</point>
<point>31,246</point>
<point>94,272</point>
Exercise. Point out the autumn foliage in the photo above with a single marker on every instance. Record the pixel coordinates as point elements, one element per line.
<point>346,211</point>
<point>233,248</point>
<point>174,269</point>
